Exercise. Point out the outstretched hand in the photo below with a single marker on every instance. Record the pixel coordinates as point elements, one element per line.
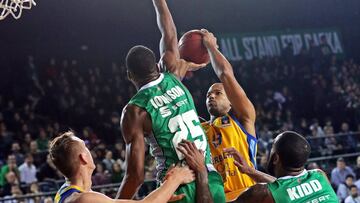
<point>239,160</point>
<point>193,157</point>
<point>183,174</point>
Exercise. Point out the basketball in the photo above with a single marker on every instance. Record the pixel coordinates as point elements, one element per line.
<point>192,49</point>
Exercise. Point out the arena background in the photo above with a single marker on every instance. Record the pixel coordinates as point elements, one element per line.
<point>96,34</point>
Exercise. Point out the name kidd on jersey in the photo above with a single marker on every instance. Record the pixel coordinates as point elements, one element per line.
<point>304,189</point>
<point>169,96</point>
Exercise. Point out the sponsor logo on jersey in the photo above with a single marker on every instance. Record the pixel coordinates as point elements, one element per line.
<point>304,190</point>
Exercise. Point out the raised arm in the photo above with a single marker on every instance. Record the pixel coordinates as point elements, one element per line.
<point>132,122</point>
<point>169,51</point>
<point>241,105</point>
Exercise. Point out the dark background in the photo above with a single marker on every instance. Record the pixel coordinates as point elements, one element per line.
<point>110,27</point>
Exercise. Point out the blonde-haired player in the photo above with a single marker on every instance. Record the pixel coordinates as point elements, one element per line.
<point>232,122</point>
<point>71,156</point>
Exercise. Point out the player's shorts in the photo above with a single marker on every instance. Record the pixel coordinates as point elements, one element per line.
<point>216,186</point>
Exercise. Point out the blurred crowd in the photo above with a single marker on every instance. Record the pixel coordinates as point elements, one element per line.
<point>314,93</point>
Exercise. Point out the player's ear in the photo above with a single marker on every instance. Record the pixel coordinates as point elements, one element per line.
<point>276,159</point>
<point>83,158</point>
<point>129,75</point>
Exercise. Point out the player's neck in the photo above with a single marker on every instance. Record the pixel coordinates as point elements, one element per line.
<point>82,180</point>
<point>147,80</point>
<point>292,172</point>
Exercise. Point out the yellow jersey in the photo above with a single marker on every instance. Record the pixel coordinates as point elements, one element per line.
<point>65,191</point>
<point>227,132</point>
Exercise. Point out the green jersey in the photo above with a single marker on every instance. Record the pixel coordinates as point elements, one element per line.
<point>308,187</point>
<point>174,118</point>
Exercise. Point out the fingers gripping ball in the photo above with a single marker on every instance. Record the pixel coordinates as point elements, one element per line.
<point>192,49</point>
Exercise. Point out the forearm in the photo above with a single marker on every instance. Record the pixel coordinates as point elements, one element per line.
<point>129,187</point>
<point>164,19</point>
<point>202,188</point>
<point>220,64</point>
<point>260,177</point>
<point>164,192</point>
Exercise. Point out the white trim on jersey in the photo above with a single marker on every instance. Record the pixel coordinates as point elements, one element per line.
<point>153,83</point>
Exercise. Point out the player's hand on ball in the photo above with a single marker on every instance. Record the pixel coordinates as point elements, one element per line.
<point>239,160</point>
<point>193,157</point>
<point>209,39</point>
<point>190,66</point>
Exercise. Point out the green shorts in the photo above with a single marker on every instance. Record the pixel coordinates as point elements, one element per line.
<point>216,186</point>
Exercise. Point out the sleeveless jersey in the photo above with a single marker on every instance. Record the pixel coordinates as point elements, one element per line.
<point>174,118</point>
<point>226,132</point>
<point>308,187</point>
<point>65,191</point>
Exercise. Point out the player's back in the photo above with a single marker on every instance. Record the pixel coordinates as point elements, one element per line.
<point>309,186</point>
<point>174,118</point>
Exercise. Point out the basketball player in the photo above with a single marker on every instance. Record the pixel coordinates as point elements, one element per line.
<point>163,112</point>
<point>294,183</point>
<point>232,122</point>
<point>73,159</point>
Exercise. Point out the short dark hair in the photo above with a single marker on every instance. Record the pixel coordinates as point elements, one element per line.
<point>141,61</point>
<point>353,186</point>
<point>349,176</point>
<point>293,149</point>
<point>63,152</point>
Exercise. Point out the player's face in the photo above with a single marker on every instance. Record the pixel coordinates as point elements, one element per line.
<point>217,102</point>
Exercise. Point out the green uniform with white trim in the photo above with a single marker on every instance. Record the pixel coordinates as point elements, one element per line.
<point>174,118</point>
<point>308,187</point>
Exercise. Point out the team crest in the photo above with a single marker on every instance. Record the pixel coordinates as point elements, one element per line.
<point>217,140</point>
<point>225,121</point>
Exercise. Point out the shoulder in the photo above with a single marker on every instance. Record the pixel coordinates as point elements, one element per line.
<point>87,197</point>
<point>132,110</point>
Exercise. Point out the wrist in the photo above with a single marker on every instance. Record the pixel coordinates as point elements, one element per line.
<point>212,48</point>
<point>202,176</point>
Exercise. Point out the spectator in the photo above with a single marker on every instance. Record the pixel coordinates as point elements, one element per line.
<point>48,170</point>
<point>108,161</point>
<point>101,176</point>
<point>117,174</point>
<point>38,155</point>
<point>357,168</point>
<point>11,179</point>
<point>353,197</point>
<point>28,170</point>
<point>15,150</point>
<point>9,167</point>
<point>43,140</point>
<point>344,188</point>
<point>339,173</point>
<point>348,140</point>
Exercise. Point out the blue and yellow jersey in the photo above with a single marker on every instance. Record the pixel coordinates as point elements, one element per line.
<point>65,191</point>
<point>227,132</point>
